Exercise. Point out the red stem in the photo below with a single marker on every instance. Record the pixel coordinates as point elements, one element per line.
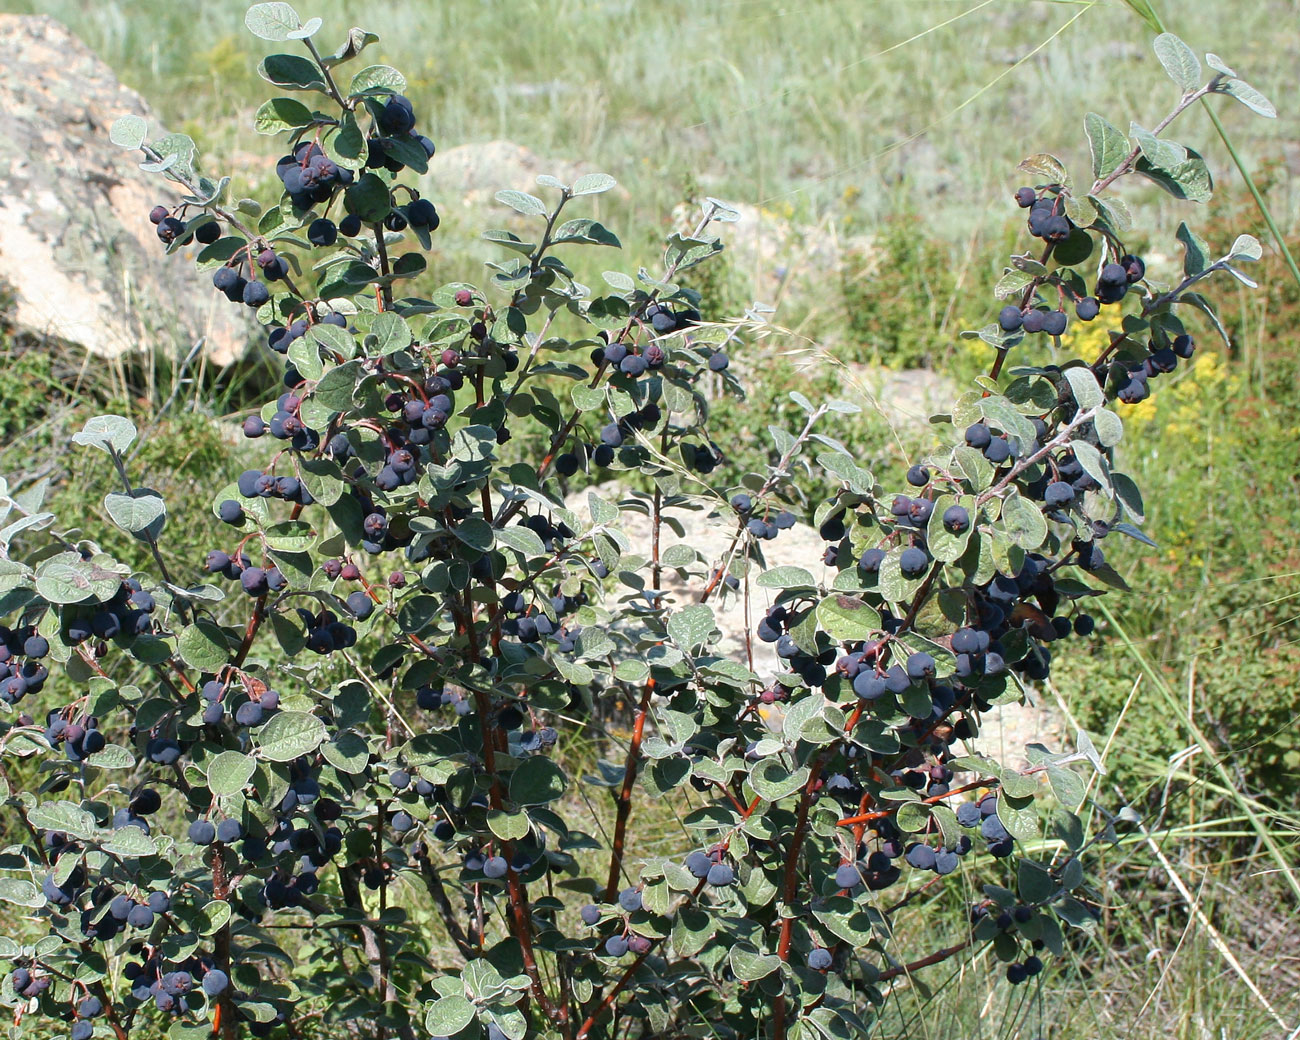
<point>625,795</point>
<point>791,888</point>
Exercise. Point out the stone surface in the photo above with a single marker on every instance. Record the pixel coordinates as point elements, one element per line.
<point>76,245</point>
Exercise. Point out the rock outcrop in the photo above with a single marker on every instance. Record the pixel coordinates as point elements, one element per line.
<point>76,246</point>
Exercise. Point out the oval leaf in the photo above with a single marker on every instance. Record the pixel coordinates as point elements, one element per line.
<point>273,21</point>
<point>289,735</point>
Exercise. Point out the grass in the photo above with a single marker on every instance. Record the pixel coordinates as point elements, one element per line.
<point>783,104</point>
<point>849,124</point>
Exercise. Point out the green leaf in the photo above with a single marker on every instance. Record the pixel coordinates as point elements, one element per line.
<point>381,78</point>
<point>336,387</point>
<point>1216,63</point>
<point>1071,911</point>
<point>1179,60</point>
<point>309,29</point>
<point>1083,385</point>
<point>448,1015</point>
<point>348,147</point>
<point>1196,254</point>
<point>1092,462</point>
<point>1203,305</point>
<point>203,645</point>
<point>291,72</point>
<point>1109,427</point>
<point>1113,212</point>
<point>845,919</point>
<point>1067,786</point>
<point>1129,495</point>
<point>786,578</point>
<point>474,444</point>
<point>912,817</point>
<point>691,626</point>
<point>536,781</point>
<point>142,513</point>
<point>63,816</point>
<point>750,966</point>
<point>1164,154</point>
<point>522,540</point>
<point>1248,96</point>
<point>290,536</point>
<point>1012,283</point>
<point>358,40</point>
<point>177,151</point>
<point>1108,144</point>
<point>112,756</point>
<point>273,21</point>
<point>773,781</point>
<point>1190,180</point>
<point>229,772</point>
<point>323,479</point>
<point>305,355</point>
<point>1047,167</point>
<point>475,532</point>
<point>289,735</point>
<point>683,252</point>
<point>368,198</point>
<point>21,893</point>
<point>128,132</point>
<point>1246,247</point>
<point>801,715</point>
<point>522,202</point>
<point>1020,820</point>
<point>592,184</point>
<point>510,240</point>
<point>587,231</point>
<point>1078,247</point>
<point>974,466</point>
<point>213,916</point>
<point>943,544</point>
<point>506,825</point>
<point>130,842</point>
<point>891,583</point>
<point>112,433</point>
<point>1033,881</point>
<point>602,512</point>
<point>392,331</point>
<point>67,578</point>
<point>347,752</point>
<point>845,617</point>
<point>1007,417</point>
<point>1023,521</point>
<point>280,114</point>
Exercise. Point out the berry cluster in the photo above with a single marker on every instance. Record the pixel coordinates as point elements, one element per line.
<point>127,613</point>
<point>1047,221</point>
<point>765,527</point>
<point>21,670</point>
<point>1131,379</point>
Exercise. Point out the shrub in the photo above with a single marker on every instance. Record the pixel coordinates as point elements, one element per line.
<point>233,827</point>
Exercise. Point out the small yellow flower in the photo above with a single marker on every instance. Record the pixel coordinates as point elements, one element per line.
<point>1085,341</point>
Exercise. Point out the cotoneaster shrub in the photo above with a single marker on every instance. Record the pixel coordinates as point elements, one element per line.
<point>245,827</point>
